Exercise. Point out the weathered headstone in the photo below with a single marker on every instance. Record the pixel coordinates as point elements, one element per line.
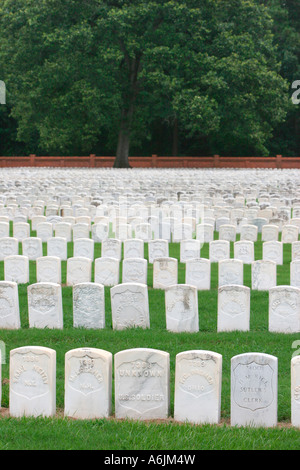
<point>165,272</point>
<point>107,271</point>
<point>88,305</point>
<point>9,306</point>
<point>32,390</point>
<point>269,233</point>
<point>295,273</point>
<point>263,275</point>
<point>79,269</point>
<point>231,271</point>
<point>295,391</point>
<point>142,384</point>
<point>48,269</point>
<point>244,251</point>
<point>134,270</point>
<point>289,233</point>
<point>84,247</point>
<point>219,250</point>
<point>130,306</point>
<point>8,246</point>
<point>57,246</point>
<point>181,304</point>
<point>254,390</point>
<point>198,273</point>
<point>32,247</point>
<point>198,382</point>
<point>233,308</point>
<point>189,249</point>
<point>284,309</point>
<point>45,308</point>
<point>158,249</point>
<point>16,269</point>
<point>88,383</point>
<point>133,248</point>
<point>273,251</point>
<point>111,248</point>
<point>249,232</point>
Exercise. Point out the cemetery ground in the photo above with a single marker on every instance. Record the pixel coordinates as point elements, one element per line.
<point>63,433</point>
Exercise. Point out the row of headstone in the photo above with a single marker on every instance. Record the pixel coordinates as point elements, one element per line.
<point>130,307</point>
<point>142,385</point>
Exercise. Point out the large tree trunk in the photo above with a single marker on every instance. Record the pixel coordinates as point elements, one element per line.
<point>122,155</point>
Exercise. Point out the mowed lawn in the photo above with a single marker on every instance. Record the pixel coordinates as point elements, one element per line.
<point>111,434</point>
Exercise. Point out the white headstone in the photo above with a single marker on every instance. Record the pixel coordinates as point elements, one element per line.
<point>32,389</point>
<point>8,246</point>
<point>134,270</point>
<point>107,271</point>
<point>198,383</point>
<point>295,273</point>
<point>189,249</point>
<point>63,230</point>
<point>133,248</point>
<point>158,249</point>
<point>57,246</point>
<point>99,232</point>
<point>249,232</point>
<point>142,384</point>
<point>227,232</point>
<point>289,233</point>
<point>181,304</point>
<point>295,251</point>
<point>231,271</point>
<point>32,247</point>
<point>273,251</point>
<point>263,275</point>
<point>198,273</point>
<point>219,250</point>
<point>48,269</point>
<point>284,309</point>
<point>84,247</point>
<point>254,390</point>
<point>269,233</point>
<point>21,230</point>
<point>233,308</point>
<point>9,306</point>
<point>111,248</point>
<point>44,231</point>
<point>80,230</point>
<point>88,383</point>
<point>45,308</point>
<point>79,269</point>
<point>88,305</point>
<point>165,272</point>
<point>205,233</point>
<point>16,269</point>
<point>130,306</point>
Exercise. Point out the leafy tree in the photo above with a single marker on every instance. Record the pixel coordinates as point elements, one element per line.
<point>108,70</point>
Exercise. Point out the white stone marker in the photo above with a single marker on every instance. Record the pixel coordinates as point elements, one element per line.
<point>111,248</point>
<point>263,275</point>
<point>45,305</point>
<point>32,247</point>
<point>9,306</point>
<point>4,229</point>
<point>269,233</point>
<point>107,271</point>
<point>84,247</point>
<point>254,382</point>
<point>57,246</point>
<point>158,249</point>
<point>133,248</point>
<point>63,230</point>
<point>284,309</point>
<point>289,233</point>
<point>79,269</point>
<point>249,232</point>
<point>44,230</point>
<point>295,273</point>
<point>244,250</point>
<point>198,383</point>
<point>142,384</point>
<point>21,230</point>
<point>198,273</point>
<point>295,391</point>
<point>88,305</point>
<point>231,271</point>
<point>99,232</point>
<point>273,251</point>
<point>32,389</point>
<point>130,306</point>
<point>80,230</point>
<point>227,232</point>
<point>189,249</point>
<point>88,383</point>
<point>134,270</point>
<point>295,251</point>
<point>218,250</point>
<point>8,246</point>
<point>181,304</point>
<point>165,272</point>
<point>48,269</point>
<point>16,269</point>
<point>233,308</point>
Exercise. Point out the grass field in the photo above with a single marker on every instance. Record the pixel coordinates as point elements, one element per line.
<point>111,434</point>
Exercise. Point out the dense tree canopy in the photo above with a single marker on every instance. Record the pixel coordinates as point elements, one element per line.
<point>139,77</point>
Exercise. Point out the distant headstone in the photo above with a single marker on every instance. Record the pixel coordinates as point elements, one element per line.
<point>134,270</point>
<point>254,384</point>
<point>273,251</point>
<point>48,269</point>
<point>189,249</point>
<point>32,248</point>
<point>165,272</point>
<point>219,250</point>
<point>9,306</point>
<point>16,269</point>
<point>198,273</point>
<point>84,247</point>
<point>58,247</point>
<point>79,269</point>
<point>111,248</point>
<point>107,271</point>
<point>198,382</point>
<point>8,246</point>
<point>158,249</point>
<point>263,275</point>
<point>244,251</point>
<point>88,383</point>
<point>133,248</point>
<point>231,271</point>
<point>142,384</point>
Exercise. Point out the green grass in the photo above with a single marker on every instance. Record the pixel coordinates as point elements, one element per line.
<point>63,433</point>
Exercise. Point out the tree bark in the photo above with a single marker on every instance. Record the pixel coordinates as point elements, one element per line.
<point>122,155</point>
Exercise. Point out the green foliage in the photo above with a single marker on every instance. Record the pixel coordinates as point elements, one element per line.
<point>78,72</point>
